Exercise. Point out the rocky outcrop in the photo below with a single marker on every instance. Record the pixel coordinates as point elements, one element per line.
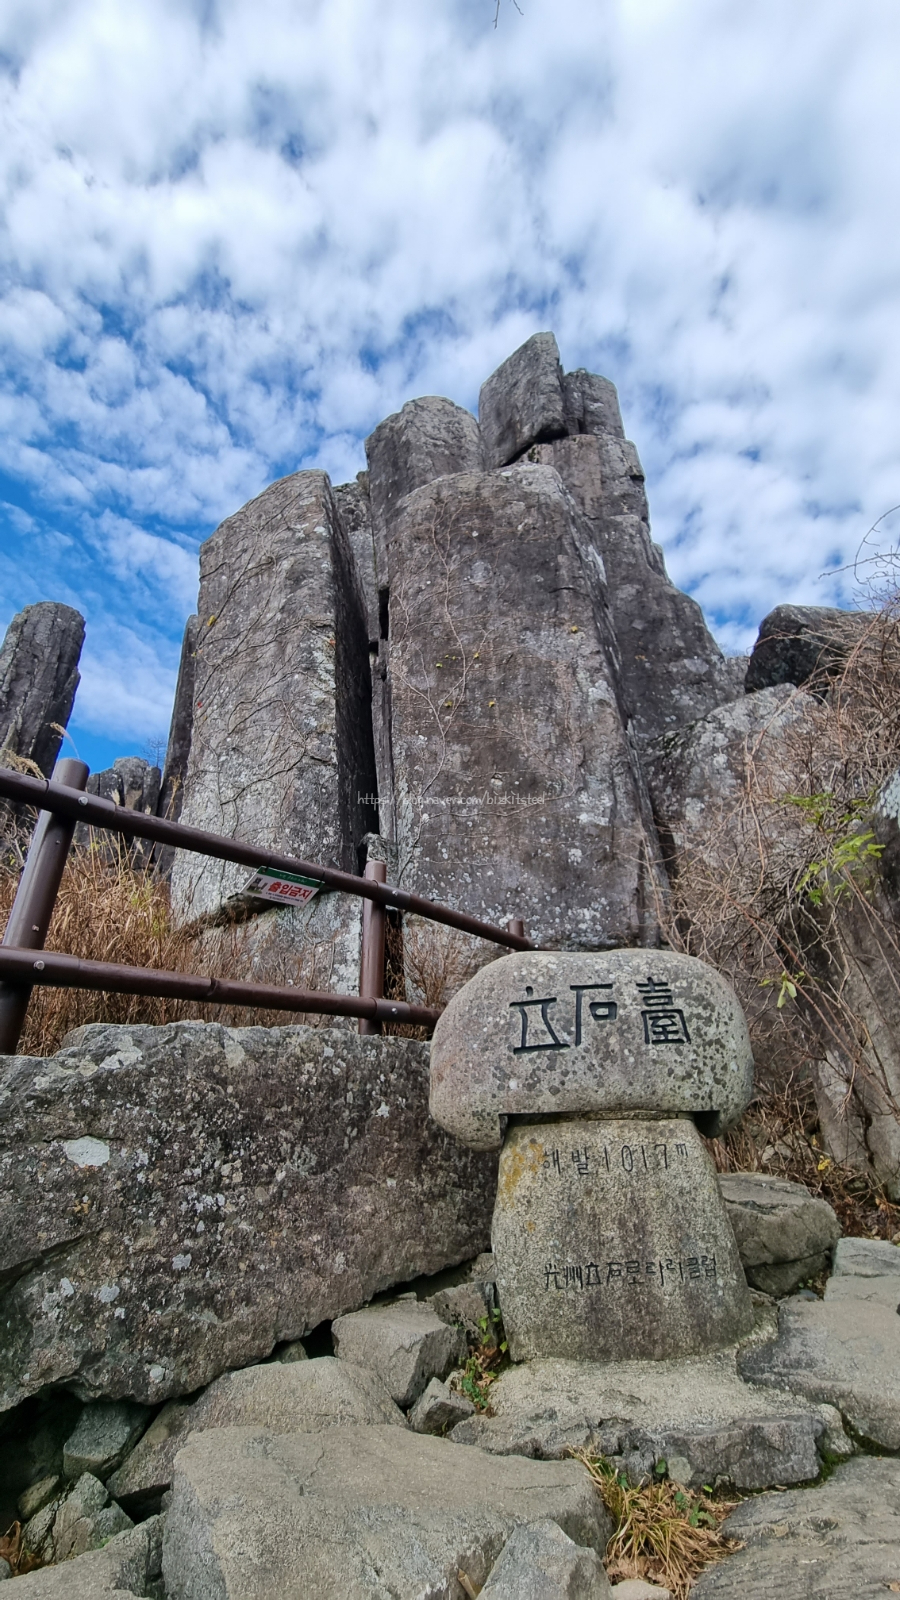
<point>179,1200</point>
<point>38,679</point>
<point>516,792</point>
<point>803,644</point>
<point>133,784</point>
<point>428,439</point>
<point>523,402</point>
<point>178,750</point>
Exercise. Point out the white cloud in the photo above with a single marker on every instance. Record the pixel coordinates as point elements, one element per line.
<point>235,240</point>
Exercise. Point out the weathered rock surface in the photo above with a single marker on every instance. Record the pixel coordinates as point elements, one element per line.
<point>828,1543</point>
<point>123,1568</point>
<point>540,1562</point>
<point>82,1519</point>
<point>800,644</point>
<point>669,667</point>
<point>355,1514</point>
<point>178,750</point>
<point>428,439</point>
<point>177,1201</point>
<point>866,1269</point>
<point>845,1352</point>
<point>495,649</point>
<point>281,748</point>
<point>407,1344</point>
<point>105,1433</point>
<point>784,1234</point>
<point>438,1409</point>
<point>695,1414</point>
<point>133,784</point>
<point>611,1241</point>
<point>617,1031</point>
<point>355,512</point>
<point>523,402</point>
<point>637,1589</point>
<point>282,1398</point>
<point>38,679</point>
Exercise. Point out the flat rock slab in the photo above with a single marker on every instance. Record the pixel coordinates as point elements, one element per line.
<point>356,1514</point>
<point>830,1543</point>
<point>866,1269</point>
<point>697,1415</point>
<point>611,1240</point>
<point>407,1344</point>
<point>176,1201</point>
<point>842,1351</point>
<point>298,1397</point>
<point>784,1234</point>
<point>540,1562</point>
<point>612,1031</point>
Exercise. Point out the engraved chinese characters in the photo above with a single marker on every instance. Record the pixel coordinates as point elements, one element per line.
<point>611,1240</point>
<point>619,1030</point>
<point>610,1236</point>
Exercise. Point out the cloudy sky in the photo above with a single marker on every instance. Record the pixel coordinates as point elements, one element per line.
<point>237,233</point>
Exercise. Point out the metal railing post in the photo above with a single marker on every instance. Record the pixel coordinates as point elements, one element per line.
<point>32,909</point>
<point>516,925</point>
<point>371,962</point>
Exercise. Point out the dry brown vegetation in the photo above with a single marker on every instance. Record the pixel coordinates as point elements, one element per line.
<point>782,893</point>
<point>109,910</point>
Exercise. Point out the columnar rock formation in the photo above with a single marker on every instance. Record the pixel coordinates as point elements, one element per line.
<point>38,679</point>
<point>524,641</point>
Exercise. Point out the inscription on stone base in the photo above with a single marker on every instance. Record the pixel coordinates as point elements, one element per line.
<point>611,1242</point>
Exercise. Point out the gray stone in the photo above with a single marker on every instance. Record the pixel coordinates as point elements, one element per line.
<point>669,667</point>
<point>38,1495</point>
<point>545,1032</point>
<point>540,1562</point>
<point>428,439</point>
<point>355,513</point>
<point>38,679</point>
<point>438,1409</point>
<point>407,1344</point>
<point>355,1514</point>
<point>298,1398</point>
<point>281,749</point>
<point>6,1570</point>
<point>177,1201</point>
<point>866,1269</point>
<point>495,645</point>
<point>469,1305</point>
<point>523,402</point>
<point>611,1240</point>
<point>124,1567</point>
<point>845,1352</point>
<point>696,1414</point>
<point>105,1433</point>
<point>803,644</point>
<point>82,1519</point>
<point>178,749</point>
<point>827,1543</point>
<point>295,1351</point>
<point>784,1234</point>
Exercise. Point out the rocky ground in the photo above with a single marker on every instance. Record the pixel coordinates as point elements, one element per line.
<point>390,1466</point>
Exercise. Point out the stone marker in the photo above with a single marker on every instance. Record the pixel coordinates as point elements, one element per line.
<point>612,1031</point>
<point>610,1234</point>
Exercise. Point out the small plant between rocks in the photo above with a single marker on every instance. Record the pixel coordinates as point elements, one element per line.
<point>664,1534</point>
<point>487,1359</point>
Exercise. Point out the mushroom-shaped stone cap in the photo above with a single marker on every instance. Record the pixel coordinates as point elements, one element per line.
<point>613,1031</point>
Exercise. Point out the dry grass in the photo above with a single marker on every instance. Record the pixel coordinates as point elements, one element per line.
<point>20,1559</point>
<point>663,1534</point>
<point>426,963</point>
<point>107,910</point>
<point>782,894</point>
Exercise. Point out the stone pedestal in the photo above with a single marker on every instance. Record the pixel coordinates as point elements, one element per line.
<point>611,1242</point>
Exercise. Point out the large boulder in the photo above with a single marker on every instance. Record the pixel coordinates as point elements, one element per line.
<point>516,790</point>
<point>803,644</point>
<point>429,438</point>
<point>523,402</point>
<point>176,1201</point>
<point>356,1514</point>
<point>827,1543</point>
<point>38,679</point>
<point>784,1234</point>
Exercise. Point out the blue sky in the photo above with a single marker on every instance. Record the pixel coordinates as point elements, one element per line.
<point>234,236</point>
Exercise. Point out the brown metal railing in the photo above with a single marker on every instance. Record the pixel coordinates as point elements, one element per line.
<point>62,804</point>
